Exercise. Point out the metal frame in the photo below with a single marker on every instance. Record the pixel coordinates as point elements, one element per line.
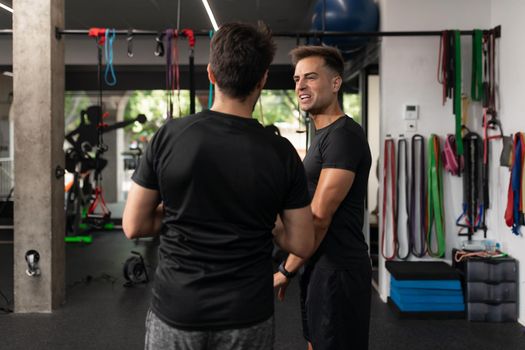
<point>315,34</point>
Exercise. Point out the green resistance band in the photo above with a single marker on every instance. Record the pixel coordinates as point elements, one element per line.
<point>435,198</point>
<point>457,91</point>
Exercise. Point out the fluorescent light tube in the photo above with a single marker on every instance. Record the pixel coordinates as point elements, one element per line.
<point>210,14</point>
<point>5,7</point>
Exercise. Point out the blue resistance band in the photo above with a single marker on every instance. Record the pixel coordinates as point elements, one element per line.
<point>210,93</point>
<point>516,186</point>
<point>109,73</point>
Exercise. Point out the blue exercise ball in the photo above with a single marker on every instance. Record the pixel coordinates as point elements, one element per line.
<point>345,16</point>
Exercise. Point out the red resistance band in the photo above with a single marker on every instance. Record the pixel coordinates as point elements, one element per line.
<point>188,33</point>
<point>389,165</point>
<point>98,33</point>
<point>99,199</point>
<point>451,162</point>
<point>515,196</point>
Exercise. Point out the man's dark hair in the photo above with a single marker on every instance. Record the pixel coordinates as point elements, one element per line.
<point>332,57</point>
<point>240,54</point>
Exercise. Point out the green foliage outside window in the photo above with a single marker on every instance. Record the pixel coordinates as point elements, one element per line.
<point>274,106</point>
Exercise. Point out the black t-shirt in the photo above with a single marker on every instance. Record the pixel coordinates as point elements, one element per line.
<point>341,145</point>
<point>223,180</point>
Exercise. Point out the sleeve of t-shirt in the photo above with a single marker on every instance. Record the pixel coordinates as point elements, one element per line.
<point>297,194</point>
<point>342,149</point>
<point>145,174</point>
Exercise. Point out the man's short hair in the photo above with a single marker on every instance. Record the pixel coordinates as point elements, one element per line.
<point>240,54</point>
<point>332,57</point>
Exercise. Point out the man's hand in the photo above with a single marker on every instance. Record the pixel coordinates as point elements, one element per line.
<point>280,282</point>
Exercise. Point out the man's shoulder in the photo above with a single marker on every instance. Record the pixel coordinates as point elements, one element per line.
<point>350,125</point>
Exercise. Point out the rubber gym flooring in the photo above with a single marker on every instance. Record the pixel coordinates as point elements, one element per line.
<point>100,313</point>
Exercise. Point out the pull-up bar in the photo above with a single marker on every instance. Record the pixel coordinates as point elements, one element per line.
<point>315,34</point>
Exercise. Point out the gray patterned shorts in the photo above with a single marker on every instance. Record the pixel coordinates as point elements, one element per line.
<point>160,335</point>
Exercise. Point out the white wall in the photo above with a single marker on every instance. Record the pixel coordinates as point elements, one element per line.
<point>373,138</point>
<point>509,14</point>
<point>408,69</point>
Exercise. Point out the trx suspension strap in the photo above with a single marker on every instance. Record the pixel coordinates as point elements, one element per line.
<point>473,207</point>
<point>492,124</point>
<point>100,36</point>
<point>188,33</point>
<point>389,173</point>
<point>514,212</point>
<point>435,211</point>
<point>417,197</point>
<point>402,169</point>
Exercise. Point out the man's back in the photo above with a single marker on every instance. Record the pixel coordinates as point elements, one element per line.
<point>222,179</point>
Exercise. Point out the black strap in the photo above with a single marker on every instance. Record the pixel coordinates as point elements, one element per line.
<point>473,208</point>
<point>417,197</point>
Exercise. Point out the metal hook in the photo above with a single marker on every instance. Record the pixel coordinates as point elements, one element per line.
<point>159,50</point>
<point>129,39</point>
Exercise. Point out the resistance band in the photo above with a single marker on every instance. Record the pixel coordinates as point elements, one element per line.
<point>389,173</point>
<point>402,172</point>
<point>449,76</point>
<point>109,74</point>
<point>476,86</point>
<point>418,197</point>
<point>210,93</point>
<point>172,71</point>
<point>451,162</point>
<point>435,212</point>
<point>514,212</point>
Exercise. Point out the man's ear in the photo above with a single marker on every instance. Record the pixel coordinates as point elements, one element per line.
<point>211,76</point>
<point>262,82</point>
<point>337,81</point>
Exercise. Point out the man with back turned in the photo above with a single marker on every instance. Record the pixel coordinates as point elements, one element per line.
<point>212,184</point>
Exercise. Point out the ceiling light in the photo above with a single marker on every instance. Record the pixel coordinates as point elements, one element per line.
<point>5,7</point>
<point>210,14</point>
<point>8,74</point>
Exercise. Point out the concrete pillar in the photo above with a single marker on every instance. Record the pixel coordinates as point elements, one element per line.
<point>39,223</point>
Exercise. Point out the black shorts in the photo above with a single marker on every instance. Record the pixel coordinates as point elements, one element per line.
<point>335,306</point>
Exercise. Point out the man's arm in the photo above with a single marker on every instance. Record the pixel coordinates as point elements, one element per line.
<point>332,188</point>
<point>294,232</point>
<point>143,212</point>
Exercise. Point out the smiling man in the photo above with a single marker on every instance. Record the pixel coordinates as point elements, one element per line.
<point>336,282</point>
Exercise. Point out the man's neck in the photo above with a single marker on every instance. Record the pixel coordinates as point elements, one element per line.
<point>327,116</point>
<point>227,105</point>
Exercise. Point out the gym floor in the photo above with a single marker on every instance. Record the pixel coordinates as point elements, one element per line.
<point>100,313</point>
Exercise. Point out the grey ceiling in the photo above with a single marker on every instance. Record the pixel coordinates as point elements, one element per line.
<point>281,15</point>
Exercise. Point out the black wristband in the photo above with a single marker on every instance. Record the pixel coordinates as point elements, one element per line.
<point>285,272</point>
